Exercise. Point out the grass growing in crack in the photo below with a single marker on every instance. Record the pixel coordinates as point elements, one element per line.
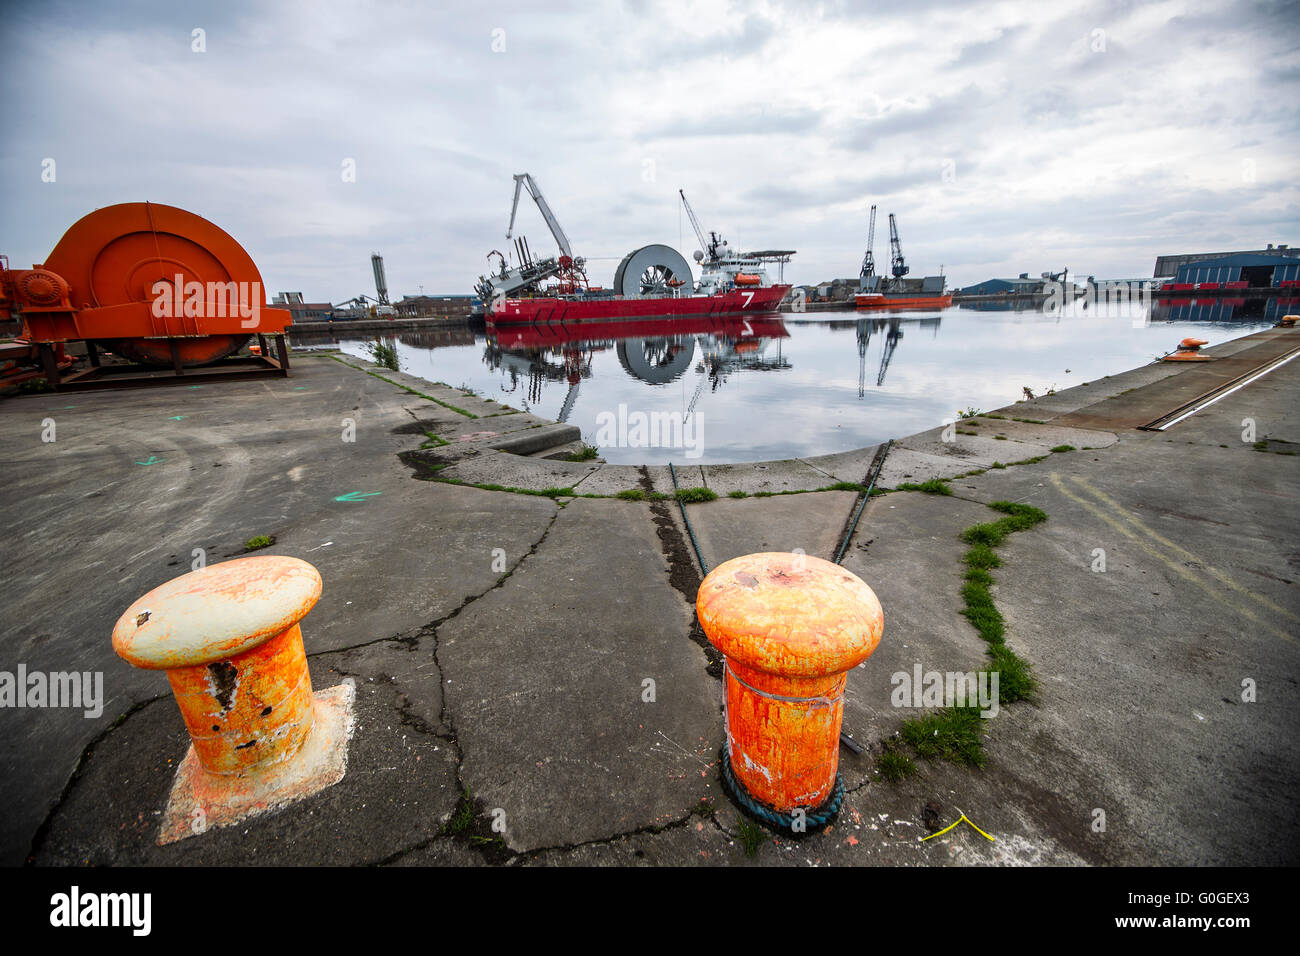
<point>406,388</point>
<point>631,494</point>
<point>434,441</point>
<point>462,819</point>
<point>737,494</point>
<point>1060,448</point>
<point>587,453</point>
<point>689,495</point>
<point>845,486</point>
<point>751,836</point>
<point>258,542</point>
<point>893,764</point>
<point>1015,680</point>
<point>934,486</point>
<point>949,734</point>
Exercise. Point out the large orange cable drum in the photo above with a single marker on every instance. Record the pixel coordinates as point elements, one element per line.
<point>144,278</point>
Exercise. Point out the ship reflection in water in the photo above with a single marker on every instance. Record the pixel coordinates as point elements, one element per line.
<point>654,351</point>
<point>836,380</point>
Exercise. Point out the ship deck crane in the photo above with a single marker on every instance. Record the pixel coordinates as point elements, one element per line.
<point>896,264</point>
<point>526,179</point>
<point>570,269</point>
<point>708,247</point>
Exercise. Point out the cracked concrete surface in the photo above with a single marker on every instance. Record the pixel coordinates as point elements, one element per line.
<point>501,643</point>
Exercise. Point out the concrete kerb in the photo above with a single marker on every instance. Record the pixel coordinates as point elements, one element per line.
<point>471,458</point>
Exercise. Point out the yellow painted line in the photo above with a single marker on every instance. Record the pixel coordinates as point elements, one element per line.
<point>1186,555</point>
<point>959,820</point>
<point>1173,565</point>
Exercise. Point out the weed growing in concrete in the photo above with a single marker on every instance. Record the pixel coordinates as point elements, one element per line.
<point>631,494</point>
<point>1015,682</point>
<point>690,495</point>
<point>751,835</point>
<point>893,764</point>
<point>407,388</point>
<point>934,486</point>
<point>462,819</point>
<point>258,542</point>
<point>1061,448</point>
<point>382,354</point>
<point>434,441</point>
<point>737,494</point>
<point>587,453</point>
<point>949,734</point>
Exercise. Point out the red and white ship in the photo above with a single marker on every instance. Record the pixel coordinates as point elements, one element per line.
<point>652,281</point>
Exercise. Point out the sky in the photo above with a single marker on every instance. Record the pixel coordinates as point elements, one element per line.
<point>1007,137</point>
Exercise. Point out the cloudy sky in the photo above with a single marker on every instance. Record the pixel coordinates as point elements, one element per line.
<point>1007,137</point>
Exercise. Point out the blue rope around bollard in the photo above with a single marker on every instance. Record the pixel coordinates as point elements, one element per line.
<point>781,821</point>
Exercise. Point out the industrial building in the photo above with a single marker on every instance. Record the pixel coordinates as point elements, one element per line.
<point>1168,266</point>
<point>1022,285</point>
<point>303,311</point>
<point>1241,270</point>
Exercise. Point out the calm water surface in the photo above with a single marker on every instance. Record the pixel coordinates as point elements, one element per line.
<point>786,386</point>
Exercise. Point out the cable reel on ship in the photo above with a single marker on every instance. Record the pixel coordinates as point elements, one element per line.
<point>653,270</point>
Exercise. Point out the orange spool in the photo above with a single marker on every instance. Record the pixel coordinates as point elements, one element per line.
<point>790,627</point>
<point>152,283</point>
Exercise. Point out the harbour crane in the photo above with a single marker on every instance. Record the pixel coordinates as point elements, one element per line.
<point>869,260</point>
<point>891,342</point>
<point>896,264</point>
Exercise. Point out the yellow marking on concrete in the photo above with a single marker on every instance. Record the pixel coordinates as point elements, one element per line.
<point>1175,566</point>
<point>959,820</point>
<point>1183,552</point>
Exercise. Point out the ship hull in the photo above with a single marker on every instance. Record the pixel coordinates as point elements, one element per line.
<point>560,309</point>
<point>869,301</point>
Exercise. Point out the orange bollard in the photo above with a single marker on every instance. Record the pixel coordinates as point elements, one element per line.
<point>790,627</point>
<point>228,638</point>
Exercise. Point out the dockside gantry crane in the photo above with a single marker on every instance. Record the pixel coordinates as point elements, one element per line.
<point>869,260</point>
<point>897,267</point>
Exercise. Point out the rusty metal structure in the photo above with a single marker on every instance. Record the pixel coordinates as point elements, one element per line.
<point>229,640</point>
<point>155,285</point>
<point>791,627</point>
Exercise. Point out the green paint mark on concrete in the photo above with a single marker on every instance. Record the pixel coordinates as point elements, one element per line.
<point>358,495</point>
<point>175,418</point>
<point>153,460</point>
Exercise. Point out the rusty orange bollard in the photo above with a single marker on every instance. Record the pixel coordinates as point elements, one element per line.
<point>228,638</point>
<point>790,627</point>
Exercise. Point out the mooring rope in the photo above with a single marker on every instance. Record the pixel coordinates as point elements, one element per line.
<point>866,496</point>
<point>704,568</point>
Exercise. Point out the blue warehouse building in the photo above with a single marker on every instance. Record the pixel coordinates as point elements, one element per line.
<point>1260,271</point>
